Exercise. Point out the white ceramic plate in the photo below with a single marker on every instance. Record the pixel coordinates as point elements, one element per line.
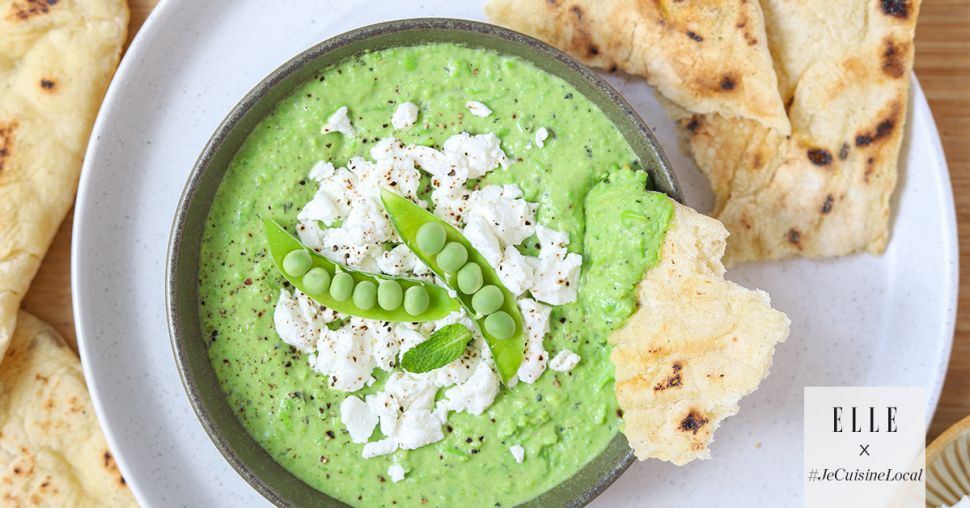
<point>860,320</point>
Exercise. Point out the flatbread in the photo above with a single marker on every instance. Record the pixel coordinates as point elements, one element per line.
<point>704,57</point>
<point>56,58</point>
<point>695,346</point>
<point>52,452</point>
<point>840,68</point>
<point>824,191</point>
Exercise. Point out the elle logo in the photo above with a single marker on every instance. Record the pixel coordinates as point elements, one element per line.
<point>860,417</point>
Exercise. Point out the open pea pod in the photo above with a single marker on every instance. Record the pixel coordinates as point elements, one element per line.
<point>488,302</point>
<point>436,305</point>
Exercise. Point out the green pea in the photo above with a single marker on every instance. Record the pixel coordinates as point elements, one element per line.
<point>316,281</point>
<point>470,278</point>
<point>365,295</point>
<point>488,300</point>
<point>389,294</point>
<point>416,300</point>
<point>452,257</point>
<point>342,286</point>
<point>297,262</point>
<point>431,238</point>
<point>500,325</point>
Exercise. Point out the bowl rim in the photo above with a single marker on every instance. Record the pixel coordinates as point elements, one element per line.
<point>257,94</point>
<point>943,441</point>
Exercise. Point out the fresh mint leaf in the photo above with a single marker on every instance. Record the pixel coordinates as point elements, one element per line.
<point>442,347</point>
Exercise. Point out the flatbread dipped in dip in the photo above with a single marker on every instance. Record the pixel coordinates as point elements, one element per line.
<point>416,264</point>
<point>811,179</point>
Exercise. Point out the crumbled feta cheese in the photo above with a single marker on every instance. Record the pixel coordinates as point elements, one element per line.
<point>321,170</point>
<point>360,236</point>
<point>385,344</point>
<point>518,453</point>
<point>298,321</point>
<point>395,472</point>
<point>405,115</point>
<point>478,109</point>
<point>334,198</point>
<point>433,161</point>
<point>320,208</point>
<point>339,122</point>
<point>385,446</point>
<point>392,168</point>
<point>511,218</point>
<point>556,270</point>
<point>536,319</point>
<point>515,271</point>
<point>411,391</point>
<point>397,261</point>
<point>541,136</point>
<point>480,153</point>
<point>409,338</point>
<point>564,361</point>
<point>475,394</point>
<point>358,419</point>
<point>480,235</point>
<point>417,428</point>
<point>344,355</point>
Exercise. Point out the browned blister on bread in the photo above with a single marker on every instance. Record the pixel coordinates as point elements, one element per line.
<point>56,59</point>
<point>695,346</point>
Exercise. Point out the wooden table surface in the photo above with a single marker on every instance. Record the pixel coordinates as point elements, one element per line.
<point>943,67</point>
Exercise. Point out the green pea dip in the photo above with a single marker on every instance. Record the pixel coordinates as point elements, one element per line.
<point>584,185</point>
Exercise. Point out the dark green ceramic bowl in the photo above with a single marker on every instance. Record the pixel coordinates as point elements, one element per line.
<point>204,391</point>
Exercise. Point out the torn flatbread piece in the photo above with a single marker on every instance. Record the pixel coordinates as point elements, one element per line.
<point>705,57</point>
<point>824,191</point>
<point>695,346</point>
<point>56,59</point>
<point>52,452</point>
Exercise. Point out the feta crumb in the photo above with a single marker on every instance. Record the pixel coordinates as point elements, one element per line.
<point>358,419</point>
<point>536,318</point>
<point>344,355</point>
<point>417,428</point>
<point>405,115</point>
<point>377,448</point>
<point>564,361</point>
<point>480,235</point>
<point>339,122</point>
<point>475,394</point>
<point>511,218</point>
<point>515,271</point>
<point>480,153</point>
<point>556,270</point>
<point>478,109</point>
<point>397,261</point>
<point>395,472</point>
<point>518,453</point>
<point>541,136</point>
<point>298,321</point>
<point>321,170</point>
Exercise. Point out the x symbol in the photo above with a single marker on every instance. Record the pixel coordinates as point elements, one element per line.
<point>865,450</point>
